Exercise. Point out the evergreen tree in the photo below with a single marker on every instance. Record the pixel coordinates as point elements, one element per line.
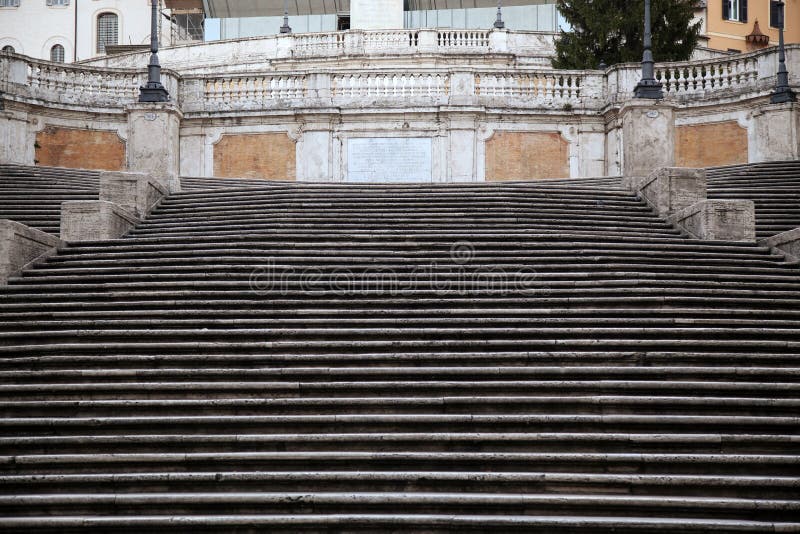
<point>612,31</point>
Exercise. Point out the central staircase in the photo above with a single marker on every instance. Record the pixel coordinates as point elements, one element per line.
<point>547,357</point>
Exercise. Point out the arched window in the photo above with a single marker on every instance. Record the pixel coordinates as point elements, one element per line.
<point>57,53</point>
<point>9,49</point>
<point>107,31</point>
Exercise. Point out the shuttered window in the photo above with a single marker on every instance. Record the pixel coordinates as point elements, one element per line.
<point>774,14</point>
<point>734,10</point>
<point>107,31</point>
<point>9,3</point>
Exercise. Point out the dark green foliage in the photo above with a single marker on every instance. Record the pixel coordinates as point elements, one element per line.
<point>611,31</point>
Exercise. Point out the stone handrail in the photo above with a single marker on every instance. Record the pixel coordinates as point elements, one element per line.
<point>395,85</point>
<point>741,74</point>
<point>74,85</point>
<point>463,39</point>
<point>542,89</point>
<point>536,88</point>
<point>253,91</point>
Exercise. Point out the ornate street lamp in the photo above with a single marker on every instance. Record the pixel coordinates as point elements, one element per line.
<point>499,24</point>
<point>286,28</point>
<point>783,93</point>
<point>153,91</point>
<point>649,87</point>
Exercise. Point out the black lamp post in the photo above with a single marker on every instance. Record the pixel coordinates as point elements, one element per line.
<point>153,91</point>
<point>783,93</point>
<point>649,87</point>
<point>286,28</point>
<point>499,24</point>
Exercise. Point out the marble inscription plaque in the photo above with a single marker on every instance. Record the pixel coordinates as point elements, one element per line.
<point>389,159</point>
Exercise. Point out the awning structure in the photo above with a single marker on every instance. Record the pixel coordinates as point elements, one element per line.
<point>273,8</point>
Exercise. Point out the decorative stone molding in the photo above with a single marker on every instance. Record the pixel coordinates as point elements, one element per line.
<point>718,220</point>
<point>94,220</point>
<point>786,243</point>
<point>22,246</point>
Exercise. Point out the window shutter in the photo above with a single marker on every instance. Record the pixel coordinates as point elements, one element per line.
<point>726,10</point>
<point>743,11</point>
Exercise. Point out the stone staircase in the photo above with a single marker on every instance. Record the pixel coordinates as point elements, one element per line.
<point>546,357</point>
<point>33,195</point>
<point>773,186</point>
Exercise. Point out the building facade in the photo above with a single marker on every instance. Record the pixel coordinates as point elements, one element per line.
<point>74,30</point>
<point>747,25</point>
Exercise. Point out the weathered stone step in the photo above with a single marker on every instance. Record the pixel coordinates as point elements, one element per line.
<point>349,387</point>
<point>394,423</point>
<point>433,242</point>
<point>270,358</point>
<point>397,522</point>
<point>368,451</point>
<point>424,373</point>
<point>623,291</point>
<point>411,503</point>
<point>486,404</point>
<point>368,346</point>
<point>665,452</point>
<point>466,279</point>
<point>196,268</point>
<point>277,319</point>
<point>763,487</point>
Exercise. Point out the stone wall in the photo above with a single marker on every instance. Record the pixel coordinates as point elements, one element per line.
<point>269,156</point>
<point>526,156</point>
<point>80,149</point>
<point>710,145</point>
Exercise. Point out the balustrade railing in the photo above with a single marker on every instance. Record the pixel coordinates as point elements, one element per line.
<point>318,44</point>
<point>394,85</point>
<point>463,39</point>
<point>707,76</point>
<point>83,86</point>
<point>536,88</point>
<point>520,87</point>
<point>254,91</point>
<point>391,41</point>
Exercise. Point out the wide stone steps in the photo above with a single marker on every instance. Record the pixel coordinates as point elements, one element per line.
<point>535,357</point>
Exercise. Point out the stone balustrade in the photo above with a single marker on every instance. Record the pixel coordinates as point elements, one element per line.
<point>536,89</point>
<point>74,85</point>
<point>523,87</point>
<point>708,76</point>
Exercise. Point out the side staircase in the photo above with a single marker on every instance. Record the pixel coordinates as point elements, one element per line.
<point>33,195</point>
<point>531,357</point>
<point>773,186</point>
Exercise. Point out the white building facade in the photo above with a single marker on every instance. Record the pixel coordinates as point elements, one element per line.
<point>72,30</point>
